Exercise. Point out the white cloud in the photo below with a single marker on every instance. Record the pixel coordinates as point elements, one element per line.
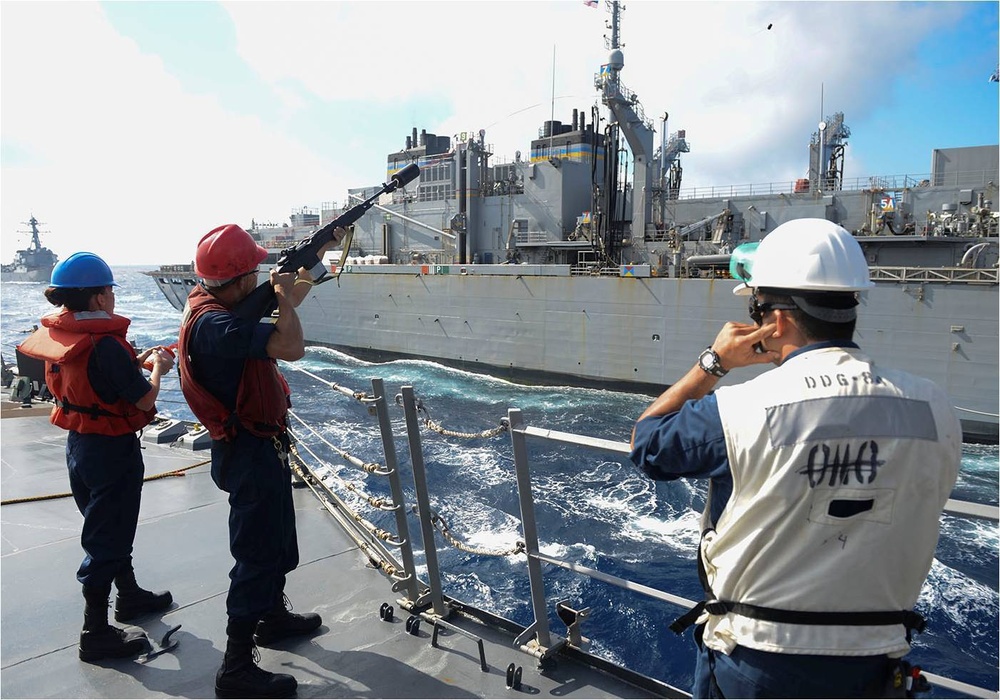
<point>123,161</point>
<point>748,96</point>
<point>107,148</point>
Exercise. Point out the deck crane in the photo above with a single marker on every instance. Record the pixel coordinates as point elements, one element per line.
<point>666,155</point>
<point>629,118</point>
<point>826,154</point>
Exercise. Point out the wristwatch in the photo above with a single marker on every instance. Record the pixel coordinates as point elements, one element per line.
<point>708,360</point>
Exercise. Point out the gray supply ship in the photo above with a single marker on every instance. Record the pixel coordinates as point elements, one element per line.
<point>587,262</point>
<point>31,264</point>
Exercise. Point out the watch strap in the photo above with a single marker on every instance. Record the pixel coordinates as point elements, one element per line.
<point>713,367</point>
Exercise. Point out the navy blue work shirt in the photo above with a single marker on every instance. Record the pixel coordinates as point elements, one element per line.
<point>114,374</point>
<point>691,442</point>
<point>220,343</point>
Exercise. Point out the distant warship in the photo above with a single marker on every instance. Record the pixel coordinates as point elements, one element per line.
<point>31,264</point>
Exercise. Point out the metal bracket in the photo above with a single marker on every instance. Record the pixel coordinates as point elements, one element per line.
<point>438,624</point>
<point>526,635</point>
<point>573,619</point>
<point>385,613</point>
<point>401,583</point>
<point>529,645</point>
<point>425,600</point>
<point>513,677</point>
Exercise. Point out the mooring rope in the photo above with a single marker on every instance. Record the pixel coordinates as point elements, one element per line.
<point>439,522</point>
<point>374,501</point>
<point>52,496</point>
<point>304,472</point>
<point>370,467</point>
<point>438,428</point>
<point>350,393</point>
<point>489,433</point>
<point>427,422</point>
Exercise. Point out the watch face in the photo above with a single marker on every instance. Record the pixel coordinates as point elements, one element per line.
<point>707,360</point>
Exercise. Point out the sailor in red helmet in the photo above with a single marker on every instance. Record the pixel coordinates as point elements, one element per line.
<point>230,378</point>
<point>102,399</point>
<point>827,478</point>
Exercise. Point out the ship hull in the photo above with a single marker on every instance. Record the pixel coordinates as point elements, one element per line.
<point>639,334</point>
<point>628,334</point>
<point>39,275</point>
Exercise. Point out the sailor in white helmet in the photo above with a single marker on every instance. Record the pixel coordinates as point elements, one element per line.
<point>827,477</point>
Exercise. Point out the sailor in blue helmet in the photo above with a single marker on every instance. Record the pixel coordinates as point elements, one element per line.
<point>102,399</point>
<point>827,478</point>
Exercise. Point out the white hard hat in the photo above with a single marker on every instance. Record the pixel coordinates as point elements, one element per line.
<point>808,254</point>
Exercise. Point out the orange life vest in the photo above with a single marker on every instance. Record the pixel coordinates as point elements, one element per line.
<point>66,341</point>
<point>263,396</point>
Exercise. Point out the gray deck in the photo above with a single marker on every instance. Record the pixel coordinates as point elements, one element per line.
<point>182,545</point>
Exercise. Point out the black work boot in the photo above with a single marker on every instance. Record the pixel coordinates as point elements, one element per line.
<point>99,640</point>
<point>280,623</point>
<point>132,601</point>
<point>240,676</point>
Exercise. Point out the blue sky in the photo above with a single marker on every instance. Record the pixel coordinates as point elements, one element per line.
<point>132,128</point>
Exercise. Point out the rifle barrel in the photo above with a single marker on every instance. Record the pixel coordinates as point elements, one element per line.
<point>262,302</point>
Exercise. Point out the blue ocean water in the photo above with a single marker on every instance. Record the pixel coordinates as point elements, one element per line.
<point>593,508</point>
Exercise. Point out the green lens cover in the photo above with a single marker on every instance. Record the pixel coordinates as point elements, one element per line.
<point>741,261</point>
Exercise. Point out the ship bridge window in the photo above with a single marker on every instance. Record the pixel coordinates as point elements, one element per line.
<point>436,182</point>
<point>437,172</point>
<point>435,193</point>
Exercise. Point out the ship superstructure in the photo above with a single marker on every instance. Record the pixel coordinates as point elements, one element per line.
<point>31,264</point>
<point>586,261</point>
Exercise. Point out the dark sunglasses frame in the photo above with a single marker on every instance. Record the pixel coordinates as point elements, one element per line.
<point>759,308</point>
<point>236,279</point>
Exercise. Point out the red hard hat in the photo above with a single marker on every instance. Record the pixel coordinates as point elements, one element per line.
<point>226,252</point>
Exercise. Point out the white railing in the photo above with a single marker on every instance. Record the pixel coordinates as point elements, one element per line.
<point>974,178</point>
<point>539,640</point>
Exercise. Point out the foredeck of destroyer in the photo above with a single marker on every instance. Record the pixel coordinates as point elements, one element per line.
<point>182,544</point>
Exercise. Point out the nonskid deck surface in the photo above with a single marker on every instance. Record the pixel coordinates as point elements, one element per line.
<point>182,545</point>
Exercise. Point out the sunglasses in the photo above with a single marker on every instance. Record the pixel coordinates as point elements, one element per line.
<point>236,279</point>
<point>758,308</point>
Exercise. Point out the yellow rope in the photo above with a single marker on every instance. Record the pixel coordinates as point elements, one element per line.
<point>52,496</point>
<point>492,432</point>
<point>442,527</point>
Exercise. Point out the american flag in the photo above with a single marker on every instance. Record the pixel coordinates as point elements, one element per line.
<point>590,3</point>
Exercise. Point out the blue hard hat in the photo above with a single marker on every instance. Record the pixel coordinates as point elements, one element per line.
<point>82,270</point>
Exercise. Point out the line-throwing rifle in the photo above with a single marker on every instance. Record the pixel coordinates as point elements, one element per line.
<point>262,302</point>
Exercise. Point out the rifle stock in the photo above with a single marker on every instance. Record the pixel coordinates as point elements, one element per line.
<point>262,302</point>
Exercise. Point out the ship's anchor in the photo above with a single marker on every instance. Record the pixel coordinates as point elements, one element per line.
<point>166,644</point>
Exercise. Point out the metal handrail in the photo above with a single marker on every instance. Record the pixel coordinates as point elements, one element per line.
<point>537,639</point>
<point>947,275</point>
<point>546,643</point>
<point>974,178</point>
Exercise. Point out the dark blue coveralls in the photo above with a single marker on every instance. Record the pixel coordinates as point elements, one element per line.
<point>691,443</point>
<point>262,536</point>
<point>106,471</point>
